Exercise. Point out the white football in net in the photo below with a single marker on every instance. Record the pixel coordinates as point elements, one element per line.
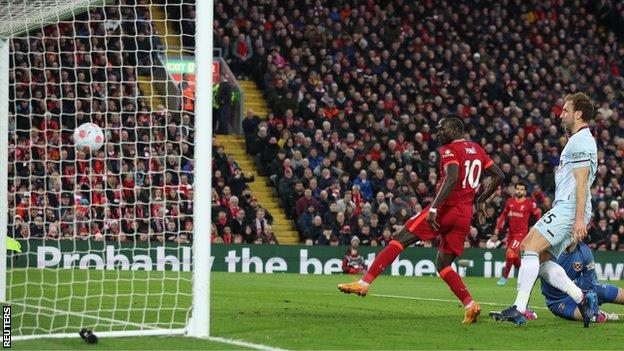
<point>88,137</point>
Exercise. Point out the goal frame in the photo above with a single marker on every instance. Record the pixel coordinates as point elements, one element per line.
<point>12,24</point>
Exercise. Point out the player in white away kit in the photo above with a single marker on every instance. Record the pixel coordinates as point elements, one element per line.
<point>566,221</point>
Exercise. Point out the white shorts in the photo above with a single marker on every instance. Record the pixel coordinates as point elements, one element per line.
<point>556,227</point>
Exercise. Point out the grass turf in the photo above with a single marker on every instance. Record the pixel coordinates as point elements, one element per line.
<point>295,312</point>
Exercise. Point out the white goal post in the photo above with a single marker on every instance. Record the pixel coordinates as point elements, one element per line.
<point>86,270</point>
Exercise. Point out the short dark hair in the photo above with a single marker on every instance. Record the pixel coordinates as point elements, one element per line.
<point>455,123</point>
<point>521,184</point>
<point>582,102</point>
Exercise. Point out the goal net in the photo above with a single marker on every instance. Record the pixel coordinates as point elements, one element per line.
<point>107,238</point>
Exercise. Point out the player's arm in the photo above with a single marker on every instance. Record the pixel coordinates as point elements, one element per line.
<point>452,171</point>
<point>581,176</point>
<point>589,280</point>
<point>588,273</point>
<point>500,223</point>
<point>497,175</point>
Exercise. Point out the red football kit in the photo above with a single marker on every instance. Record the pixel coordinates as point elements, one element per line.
<point>454,215</point>
<point>518,212</point>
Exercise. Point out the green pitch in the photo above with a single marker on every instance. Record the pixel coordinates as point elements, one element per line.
<point>305,312</point>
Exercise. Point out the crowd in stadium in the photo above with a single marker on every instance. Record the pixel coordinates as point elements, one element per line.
<point>139,186</point>
<point>238,217</point>
<point>357,90</point>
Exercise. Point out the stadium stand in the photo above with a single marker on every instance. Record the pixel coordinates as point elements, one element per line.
<point>139,186</point>
<point>354,91</point>
<point>356,88</point>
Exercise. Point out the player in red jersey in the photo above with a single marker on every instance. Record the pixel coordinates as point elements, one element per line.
<point>518,210</point>
<point>449,215</point>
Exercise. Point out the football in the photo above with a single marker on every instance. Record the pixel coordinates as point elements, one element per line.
<point>88,138</point>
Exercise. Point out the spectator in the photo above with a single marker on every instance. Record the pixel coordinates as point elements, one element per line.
<point>224,101</point>
<point>239,222</point>
<point>228,237</point>
<point>260,222</point>
<point>242,50</point>
<point>365,236</point>
<point>305,202</point>
<point>386,236</point>
<point>307,218</point>
<point>365,185</point>
<point>493,242</point>
<point>37,229</point>
<point>473,239</point>
<point>325,238</point>
<point>250,128</point>
<point>600,235</point>
<point>355,241</point>
<point>614,243</point>
<point>249,235</point>
<point>238,182</point>
<point>345,201</point>
<point>353,262</point>
<point>489,225</point>
<point>267,236</point>
<point>317,228</point>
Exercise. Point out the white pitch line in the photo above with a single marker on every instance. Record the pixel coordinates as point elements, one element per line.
<point>443,300</point>
<point>244,344</point>
<point>211,338</point>
<point>455,301</point>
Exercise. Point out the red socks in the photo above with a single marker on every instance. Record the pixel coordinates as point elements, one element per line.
<point>454,281</point>
<point>385,257</point>
<point>508,263</point>
<point>511,258</point>
<point>390,253</point>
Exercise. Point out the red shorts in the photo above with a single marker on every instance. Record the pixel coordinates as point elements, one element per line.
<point>454,228</point>
<point>514,241</point>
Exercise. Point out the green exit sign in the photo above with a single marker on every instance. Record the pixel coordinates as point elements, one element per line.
<point>181,66</point>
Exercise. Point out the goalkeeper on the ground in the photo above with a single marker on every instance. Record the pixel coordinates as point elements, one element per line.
<point>578,263</point>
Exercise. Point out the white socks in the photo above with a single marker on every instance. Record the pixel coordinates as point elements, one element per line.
<point>527,275</point>
<point>363,283</point>
<point>552,273</point>
<point>556,276</point>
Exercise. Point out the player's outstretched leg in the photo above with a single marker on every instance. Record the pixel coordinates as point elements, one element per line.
<point>530,314</point>
<point>526,279</point>
<point>532,246</point>
<point>512,258</point>
<point>509,261</point>
<point>588,306</point>
<point>556,276</point>
<point>510,314</point>
<point>567,308</point>
<point>607,294</point>
<point>603,317</point>
<point>360,287</point>
<point>454,281</point>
